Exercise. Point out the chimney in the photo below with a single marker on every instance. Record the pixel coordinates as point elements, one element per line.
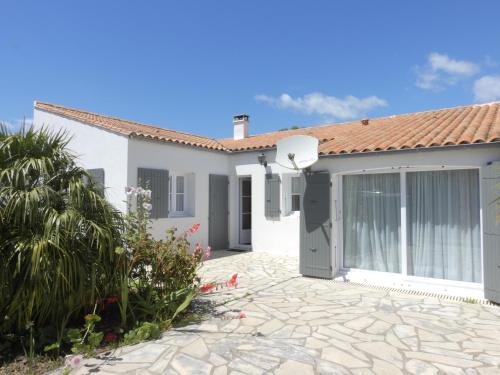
<point>240,125</point>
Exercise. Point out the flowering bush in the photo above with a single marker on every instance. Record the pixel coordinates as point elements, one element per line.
<point>161,273</point>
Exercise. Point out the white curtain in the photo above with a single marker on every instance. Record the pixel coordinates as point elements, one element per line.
<point>443,225</point>
<point>372,216</point>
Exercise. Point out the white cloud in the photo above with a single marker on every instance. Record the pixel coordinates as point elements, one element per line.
<point>487,89</point>
<point>327,106</point>
<point>17,124</point>
<point>441,70</point>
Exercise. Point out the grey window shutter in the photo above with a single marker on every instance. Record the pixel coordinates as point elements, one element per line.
<point>97,175</point>
<point>491,230</point>
<point>272,196</point>
<point>155,180</point>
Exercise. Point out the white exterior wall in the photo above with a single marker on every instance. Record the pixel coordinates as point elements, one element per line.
<point>182,160</point>
<point>272,236</point>
<point>282,236</point>
<point>94,148</point>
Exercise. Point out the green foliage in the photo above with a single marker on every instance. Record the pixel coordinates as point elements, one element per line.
<point>85,341</point>
<point>295,127</point>
<point>162,273</point>
<point>57,233</point>
<point>144,331</point>
<point>66,252</point>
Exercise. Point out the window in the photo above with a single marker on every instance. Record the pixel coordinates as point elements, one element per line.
<point>291,190</point>
<point>295,194</point>
<point>177,194</point>
<point>441,223</point>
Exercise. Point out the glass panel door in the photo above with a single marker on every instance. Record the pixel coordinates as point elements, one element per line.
<point>372,217</point>
<point>443,226</point>
<point>245,211</point>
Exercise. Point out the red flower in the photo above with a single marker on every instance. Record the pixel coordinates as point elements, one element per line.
<point>207,287</point>
<point>233,281</point>
<point>110,337</point>
<point>194,228</point>
<point>111,300</point>
<point>242,315</point>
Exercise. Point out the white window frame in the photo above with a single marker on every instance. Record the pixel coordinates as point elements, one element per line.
<point>287,194</point>
<point>401,279</point>
<point>172,194</point>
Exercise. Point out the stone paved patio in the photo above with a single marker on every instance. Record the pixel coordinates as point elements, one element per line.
<point>303,326</point>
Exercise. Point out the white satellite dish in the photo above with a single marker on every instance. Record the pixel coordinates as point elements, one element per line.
<point>297,152</point>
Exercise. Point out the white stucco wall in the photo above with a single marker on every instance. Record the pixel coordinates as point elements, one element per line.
<point>282,236</point>
<point>272,236</point>
<point>94,148</point>
<point>181,160</point>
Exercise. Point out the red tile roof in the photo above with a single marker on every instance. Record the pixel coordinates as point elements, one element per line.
<point>455,126</point>
<point>130,128</point>
<point>472,124</point>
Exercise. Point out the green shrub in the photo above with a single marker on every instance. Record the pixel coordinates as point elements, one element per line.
<point>143,332</point>
<point>66,252</point>
<point>57,234</point>
<point>161,273</point>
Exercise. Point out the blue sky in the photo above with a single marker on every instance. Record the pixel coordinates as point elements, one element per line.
<point>191,65</point>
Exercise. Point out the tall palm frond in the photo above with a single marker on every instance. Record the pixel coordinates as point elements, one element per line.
<point>57,232</point>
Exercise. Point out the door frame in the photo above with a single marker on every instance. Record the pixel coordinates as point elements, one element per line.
<point>240,208</point>
<point>390,279</point>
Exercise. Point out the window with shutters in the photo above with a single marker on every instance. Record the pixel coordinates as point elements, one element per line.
<point>291,194</point>
<point>181,194</point>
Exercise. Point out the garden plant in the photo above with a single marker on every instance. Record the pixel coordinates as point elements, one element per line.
<point>76,273</point>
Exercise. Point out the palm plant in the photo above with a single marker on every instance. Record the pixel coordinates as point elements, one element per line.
<point>57,233</point>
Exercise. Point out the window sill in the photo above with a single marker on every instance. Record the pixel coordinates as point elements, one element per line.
<point>291,216</point>
<point>179,215</point>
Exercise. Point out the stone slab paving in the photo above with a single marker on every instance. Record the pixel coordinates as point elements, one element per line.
<point>298,325</point>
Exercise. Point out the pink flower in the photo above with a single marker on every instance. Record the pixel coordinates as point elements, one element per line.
<point>130,190</point>
<point>194,228</point>
<point>207,287</point>
<point>208,251</point>
<point>197,250</point>
<point>242,315</point>
<point>73,360</point>
<point>233,281</point>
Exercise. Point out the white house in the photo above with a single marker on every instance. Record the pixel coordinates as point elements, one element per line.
<point>401,201</point>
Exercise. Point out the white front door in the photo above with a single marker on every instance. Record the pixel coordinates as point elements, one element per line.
<point>245,211</point>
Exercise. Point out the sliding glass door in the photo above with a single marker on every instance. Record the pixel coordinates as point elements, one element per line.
<point>372,222</point>
<point>443,232</point>
<point>442,223</point>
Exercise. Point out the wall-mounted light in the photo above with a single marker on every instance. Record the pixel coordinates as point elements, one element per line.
<point>262,160</point>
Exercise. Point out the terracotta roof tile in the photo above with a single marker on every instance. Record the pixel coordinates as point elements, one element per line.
<point>472,124</point>
<point>479,123</point>
<point>130,128</point>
